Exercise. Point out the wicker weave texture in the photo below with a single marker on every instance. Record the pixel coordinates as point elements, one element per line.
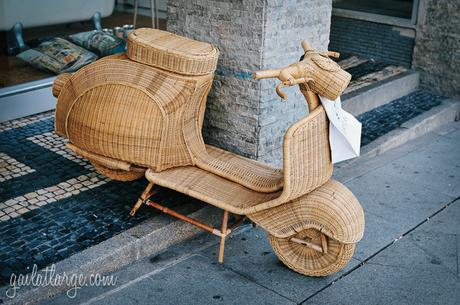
<point>308,261</point>
<point>307,165</point>
<point>249,173</point>
<point>102,160</point>
<point>171,52</point>
<point>330,80</point>
<point>211,188</point>
<point>112,168</point>
<point>59,83</point>
<point>131,112</point>
<point>133,173</point>
<point>306,155</point>
<point>331,209</point>
<point>306,158</point>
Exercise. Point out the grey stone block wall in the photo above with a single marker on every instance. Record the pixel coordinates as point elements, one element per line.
<point>373,40</point>
<point>286,24</point>
<point>243,115</point>
<point>437,46</point>
<point>236,28</point>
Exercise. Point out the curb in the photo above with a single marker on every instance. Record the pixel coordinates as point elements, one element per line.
<point>146,239</point>
<point>380,93</point>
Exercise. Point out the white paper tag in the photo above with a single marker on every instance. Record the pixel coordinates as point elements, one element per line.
<point>344,131</point>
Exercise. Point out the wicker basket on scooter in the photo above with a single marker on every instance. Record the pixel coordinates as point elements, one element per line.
<point>128,113</point>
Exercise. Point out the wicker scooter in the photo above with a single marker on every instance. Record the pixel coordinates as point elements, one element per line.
<point>313,222</point>
<point>141,114</point>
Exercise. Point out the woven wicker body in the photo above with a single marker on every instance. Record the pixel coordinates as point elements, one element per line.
<point>172,52</point>
<point>306,142</point>
<point>143,112</point>
<point>141,109</point>
<point>128,111</point>
<point>307,261</point>
<point>308,205</point>
<point>313,222</point>
<point>306,218</point>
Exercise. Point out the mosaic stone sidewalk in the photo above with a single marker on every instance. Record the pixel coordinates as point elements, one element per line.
<point>53,204</point>
<point>388,117</point>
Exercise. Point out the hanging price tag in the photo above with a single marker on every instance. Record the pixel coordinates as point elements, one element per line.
<point>344,131</point>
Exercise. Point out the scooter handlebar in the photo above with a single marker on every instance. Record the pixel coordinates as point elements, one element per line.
<point>266,74</point>
<point>294,74</point>
<point>276,74</point>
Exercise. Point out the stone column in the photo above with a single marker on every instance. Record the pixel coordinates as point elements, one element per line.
<point>437,46</point>
<point>243,115</point>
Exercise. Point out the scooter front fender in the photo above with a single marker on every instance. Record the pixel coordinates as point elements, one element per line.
<point>331,208</point>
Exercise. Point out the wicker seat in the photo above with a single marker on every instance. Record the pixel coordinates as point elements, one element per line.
<point>249,173</point>
<point>210,188</point>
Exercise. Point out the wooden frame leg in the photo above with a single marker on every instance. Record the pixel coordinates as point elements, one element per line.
<point>144,196</point>
<point>223,230</point>
<point>222,233</point>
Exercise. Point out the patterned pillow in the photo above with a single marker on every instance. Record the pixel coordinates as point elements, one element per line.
<point>57,55</point>
<point>99,42</point>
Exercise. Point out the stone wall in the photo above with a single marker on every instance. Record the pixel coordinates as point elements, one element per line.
<point>236,28</point>
<point>286,24</point>
<point>243,115</point>
<point>373,40</point>
<point>437,46</point>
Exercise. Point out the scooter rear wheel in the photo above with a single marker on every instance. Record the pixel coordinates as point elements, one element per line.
<point>307,261</point>
<point>118,174</point>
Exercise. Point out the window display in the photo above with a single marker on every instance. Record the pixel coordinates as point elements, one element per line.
<point>28,52</point>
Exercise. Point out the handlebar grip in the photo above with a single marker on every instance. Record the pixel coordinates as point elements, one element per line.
<point>266,74</point>
<point>333,54</point>
<point>305,46</point>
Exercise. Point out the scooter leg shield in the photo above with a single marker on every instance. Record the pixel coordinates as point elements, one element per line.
<point>331,209</point>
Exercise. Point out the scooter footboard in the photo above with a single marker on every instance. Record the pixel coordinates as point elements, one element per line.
<point>331,209</point>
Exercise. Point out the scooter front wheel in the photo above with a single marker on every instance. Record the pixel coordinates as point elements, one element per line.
<point>307,261</point>
<point>118,174</point>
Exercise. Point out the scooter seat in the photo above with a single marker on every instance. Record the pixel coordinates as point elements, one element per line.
<point>210,188</point>
<point>247,172</point>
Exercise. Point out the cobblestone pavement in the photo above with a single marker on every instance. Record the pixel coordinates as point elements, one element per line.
<point>388,117</point>
<point>52,203</point>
